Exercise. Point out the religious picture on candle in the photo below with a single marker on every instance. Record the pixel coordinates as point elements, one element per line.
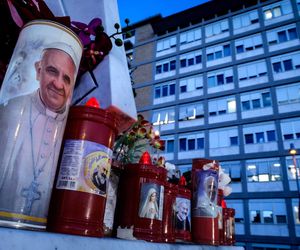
<point>151,201</point>
<point>205,194</point>
<point>34,103</point>
<point>85,167</point>
<point>182,215</point>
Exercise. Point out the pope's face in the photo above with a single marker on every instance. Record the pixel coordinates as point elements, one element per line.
<point>56,73</point>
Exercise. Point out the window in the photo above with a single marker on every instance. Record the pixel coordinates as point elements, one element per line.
<point>245,105</point>
<point>263,170</point>
<point>233,169</point>
<point>291,167</point>
<point>200,143</point>
<point>191,112</point>
<point>165,44</point>
<point>281,219</point>
<point>255,216</point>
<point>164,116</point>
<point>256,103</point>
<point>260,137</point>
<point>216,28</point>
<point>288,94</point>
<point>290,129</point>
<point>276,10</point>
<point>164,90</point>
<point>169,146</point>
<point>190,59</point>
<point>221,138</point>
<point>266,211</point>
<point>190,36</point>
<point>165,66</point>
<point>266,99</point>
<point>249,43</point>
<point>249,138</point>
<point>252,70</point>
<point>191,142</point>
<point>222,106</point>
<point>157,92</point>
<point>190,84</point>
<point>288,65</point>
<point>220,77</point>
<point>233,140</point>
<point>271,135</point>
<point>268,217</point>
<point>182,144</point>
<point>269,14</point>
<point>255,100</point>
<point>217,52</point>
<point>259,133</point>
<point>245,20</point>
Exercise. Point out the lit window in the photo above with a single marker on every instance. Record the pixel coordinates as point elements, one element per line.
<point>255,216</point>
<point>296,213</point>
<point>231,106</point>
<point>268,14</point>
<point>263,178</point>
<point>268,217</point>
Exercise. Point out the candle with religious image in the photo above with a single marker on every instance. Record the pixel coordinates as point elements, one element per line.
<point>34,104</point>
<point>182,212</point>
<point>81,187</point>
<point>141,201</point>
<point>205,177</point>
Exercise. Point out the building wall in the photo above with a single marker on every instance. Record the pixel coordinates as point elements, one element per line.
<point>229,89</point>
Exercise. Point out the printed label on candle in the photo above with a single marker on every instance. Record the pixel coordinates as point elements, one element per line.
<point>85,167</point>
<point>151,201</point>
<point>205,194</point>
<point>182,214</point>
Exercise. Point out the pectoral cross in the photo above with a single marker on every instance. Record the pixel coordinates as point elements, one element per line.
<point>31,194</point>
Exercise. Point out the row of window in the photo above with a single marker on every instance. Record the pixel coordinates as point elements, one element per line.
<point>253,134</point>
<point>241,23</point>
<point>260,102</point>
<point>258,171</point>
<point>265,211</point>
<point>216,55</point>
<point>284,66</point>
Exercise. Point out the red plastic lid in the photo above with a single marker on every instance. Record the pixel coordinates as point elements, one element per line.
<point>93,102</point>
<point>145,159</point>
<point>182,181</point>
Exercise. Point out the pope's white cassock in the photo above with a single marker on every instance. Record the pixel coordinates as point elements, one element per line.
<point>30,142</point>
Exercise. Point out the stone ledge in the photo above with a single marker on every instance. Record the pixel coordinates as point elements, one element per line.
<point>29,240</point>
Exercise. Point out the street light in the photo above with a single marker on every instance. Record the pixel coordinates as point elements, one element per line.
<point>293,153</point>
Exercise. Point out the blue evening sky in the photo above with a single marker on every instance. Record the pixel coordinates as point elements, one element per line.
<point>137,10</point>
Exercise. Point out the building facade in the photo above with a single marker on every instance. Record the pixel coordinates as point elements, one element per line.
<point>222,81</point>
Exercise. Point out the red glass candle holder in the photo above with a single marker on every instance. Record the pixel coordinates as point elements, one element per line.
<point>141,201</point>
<point>229,226</point>
<point>205,176</point>
<point>168,232</point>
<point>78,199</point>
